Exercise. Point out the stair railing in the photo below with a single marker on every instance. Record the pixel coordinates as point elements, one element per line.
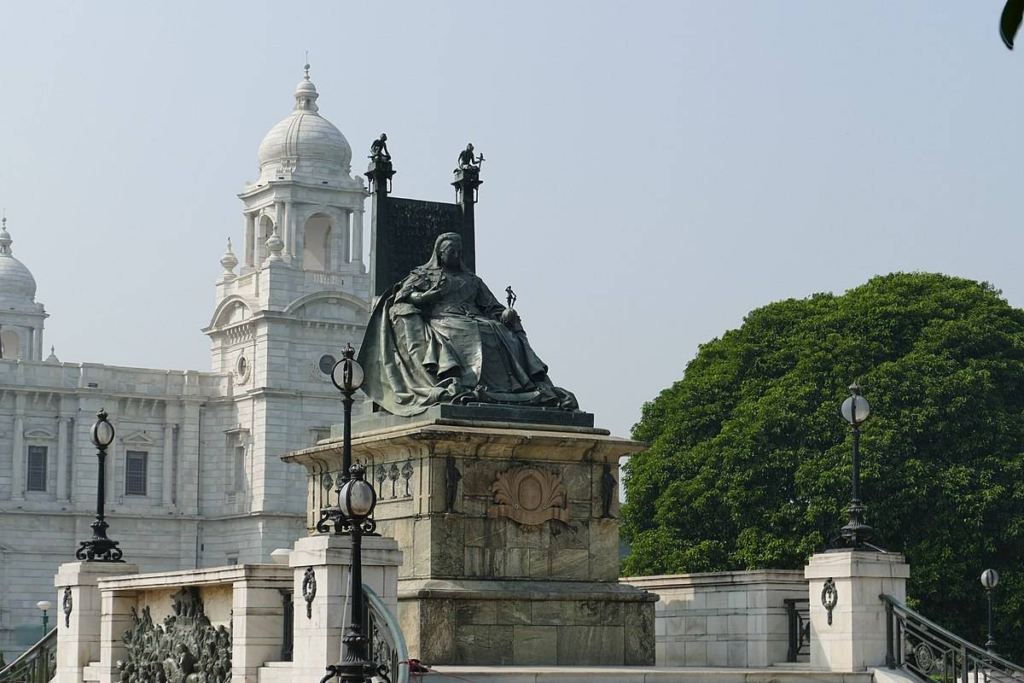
<point>933,654</point>
<point>387,644</point>
<point>38,664</point>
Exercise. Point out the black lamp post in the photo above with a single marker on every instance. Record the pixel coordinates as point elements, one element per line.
<point>356,500</point>
<point>347,375</point>
<point>100,548</point>
<point>856,532</point>
<point>990,579</point>
<point>45,606</point>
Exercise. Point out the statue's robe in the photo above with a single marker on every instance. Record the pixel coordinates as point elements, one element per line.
<point>454,349</point>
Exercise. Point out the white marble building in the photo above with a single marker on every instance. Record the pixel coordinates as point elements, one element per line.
<point>194,477</point>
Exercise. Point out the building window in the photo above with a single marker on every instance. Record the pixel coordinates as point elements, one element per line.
<point>135,473</point>
<point>36,468</point>
<point>239,478</point>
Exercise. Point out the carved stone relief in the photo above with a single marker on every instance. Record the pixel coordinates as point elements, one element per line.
<point>67,603</point>
<point>529,496</point>
<point>186,649</point>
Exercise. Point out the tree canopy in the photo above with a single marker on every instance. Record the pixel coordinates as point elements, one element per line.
<point>749,464</point>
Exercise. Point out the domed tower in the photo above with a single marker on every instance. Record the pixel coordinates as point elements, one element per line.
<point>305,190</point>
<point>21,318</point>
<point>287,305</point>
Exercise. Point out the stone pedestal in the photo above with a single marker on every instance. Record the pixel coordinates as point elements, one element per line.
<point>852,638</point>
<point>77,614</point>
<point>323,603</point>
<point>511,556</point>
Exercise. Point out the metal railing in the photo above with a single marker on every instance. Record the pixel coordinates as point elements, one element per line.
<point>799,620</point>
<point>387,644</point>
<point>38,664</point>
<point>933,654</point>
<point>288,631</point>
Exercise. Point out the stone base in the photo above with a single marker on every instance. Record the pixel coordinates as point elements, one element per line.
<point>853,638</point>
<point>523,624</point>
<point>473,413</point>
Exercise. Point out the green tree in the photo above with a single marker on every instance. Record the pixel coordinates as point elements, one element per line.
<point>749,462</point>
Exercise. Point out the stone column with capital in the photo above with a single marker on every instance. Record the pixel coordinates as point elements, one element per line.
<point>78,616</point>
<point>168,498</point>
<point>62,457</point>
<point>250,241</point>
<point>847,612</point>
<point>357,238</point>
<point>323,604</point>
<point>18,454</point>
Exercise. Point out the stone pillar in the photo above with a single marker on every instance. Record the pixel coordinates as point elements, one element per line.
<point>346,237</point>
<point>853,638</point>
<point>62,458</point>
<point>257,615</point>
<point>168,465</point>
<point>18,454</point>
<point>298,235</point>
<point>250,239</point>
<point>287,232</point>
<point>79,630</point>
<point>357,237</point>
<point>318,636</point>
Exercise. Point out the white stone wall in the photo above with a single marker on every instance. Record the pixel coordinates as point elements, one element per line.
<point>199,510</point>
<point>722,619</point>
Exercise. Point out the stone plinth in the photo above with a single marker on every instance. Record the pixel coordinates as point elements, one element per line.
<point>77,611</point>
<point>510,555</point>
<point>321,623</point>
<point>853,638</point>
<point>723,619</point>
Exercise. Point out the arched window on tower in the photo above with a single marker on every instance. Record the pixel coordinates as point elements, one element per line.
<point>316,243</point>
<point>264,229</point>
<point>11,343</point>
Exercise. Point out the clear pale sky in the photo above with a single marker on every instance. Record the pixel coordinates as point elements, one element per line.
<point>654,170</point>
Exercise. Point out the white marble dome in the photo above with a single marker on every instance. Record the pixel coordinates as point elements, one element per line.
<point>17,286</point>
<point>305,143</point>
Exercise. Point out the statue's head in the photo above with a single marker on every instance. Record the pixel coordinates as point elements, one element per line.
<point>383,137</point>
<point>469,148</point>
<point>448,249</point>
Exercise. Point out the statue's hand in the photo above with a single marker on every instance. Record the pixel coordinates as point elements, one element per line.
<point>510,319</point>
<point>426,297</point>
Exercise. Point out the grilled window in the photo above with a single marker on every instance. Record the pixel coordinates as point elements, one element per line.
<point>36,468</point>
<point>135,473</point>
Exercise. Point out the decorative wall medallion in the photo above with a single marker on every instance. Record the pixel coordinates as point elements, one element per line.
<point>242,369</point>
<point>327,481</point>
<point>186,648</point>
<point>67,604</point>
<point>829,597</point>
<point>309,590</point>
<point>528,496</point>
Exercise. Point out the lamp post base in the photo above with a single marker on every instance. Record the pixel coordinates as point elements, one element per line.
<point>100,548</point>
<point>856,532</point>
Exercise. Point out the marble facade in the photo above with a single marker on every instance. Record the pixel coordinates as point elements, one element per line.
<point>205,485</point>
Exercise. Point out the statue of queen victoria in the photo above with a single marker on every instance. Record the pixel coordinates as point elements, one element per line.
<point>440,336</point>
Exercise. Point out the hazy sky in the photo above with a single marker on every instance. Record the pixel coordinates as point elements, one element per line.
<point>654,170</point>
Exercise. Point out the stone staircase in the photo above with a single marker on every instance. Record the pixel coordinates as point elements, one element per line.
<point>782,673</point>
